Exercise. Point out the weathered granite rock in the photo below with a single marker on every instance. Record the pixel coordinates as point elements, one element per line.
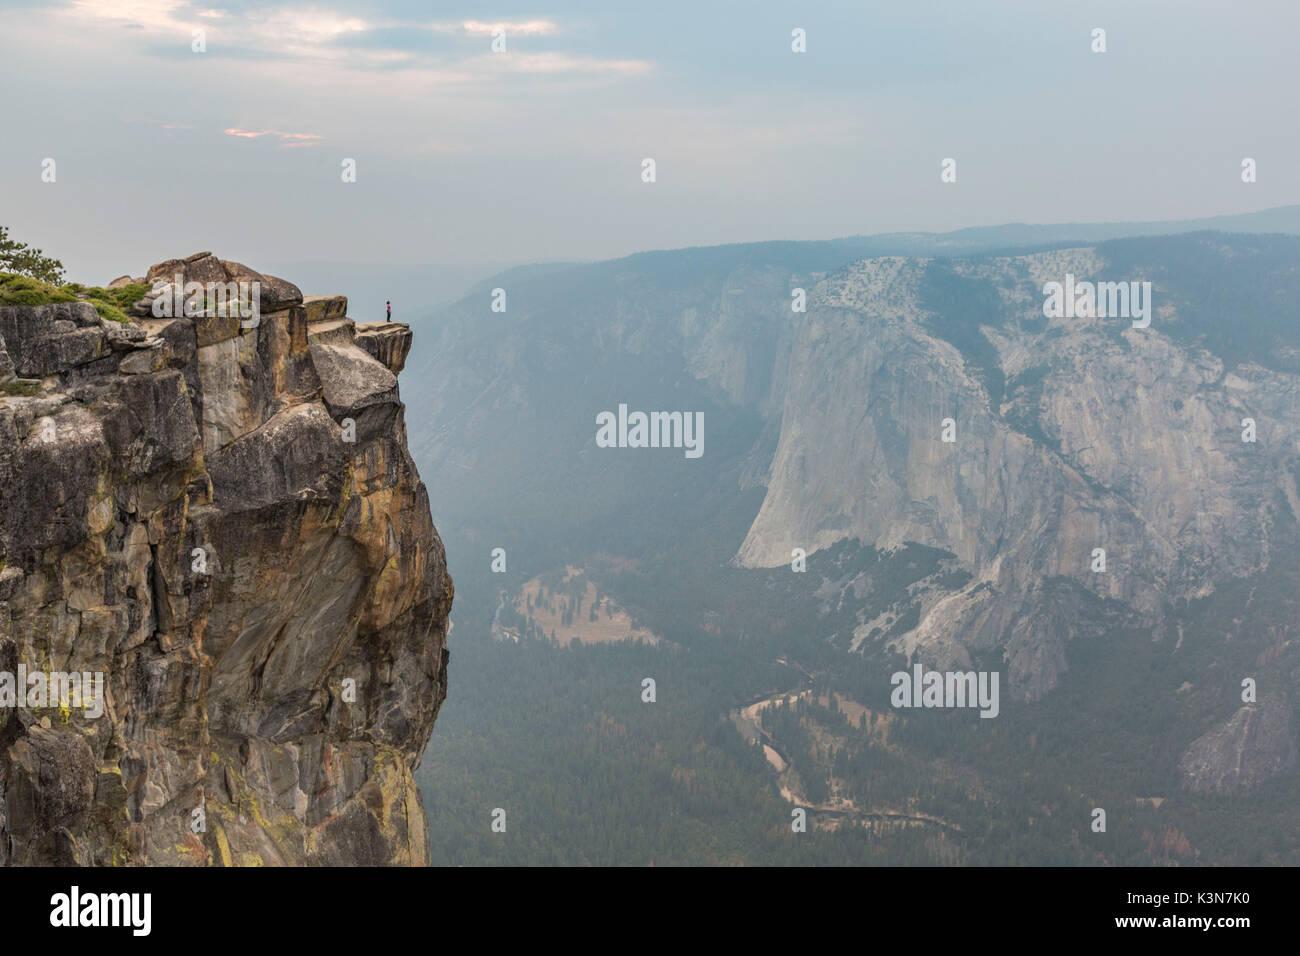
<point>1238,756</point>
<point>49,793</point>
<point>389,342</point>
<point>321,307</point>
<point>165,269</point>
<point>205,269</point>
<point>31,334</point>
<point>6,363</point>
<point>182,511</point>
<point>56,353</point>
<point>148,358</point>
<point>332,332</point>
<point>274,294</point>
<point>356,387</point>
<point>122,336</point>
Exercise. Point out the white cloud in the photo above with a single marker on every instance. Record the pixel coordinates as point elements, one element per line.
<point>313,33</point>
<point>153,15</point>
<point>532,28</point>
<point>281,30</point>
<point>302,29</point>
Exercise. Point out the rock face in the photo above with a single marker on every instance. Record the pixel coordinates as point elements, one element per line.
<point>226,524</point>
<point>1070,434</point>
<point>388,342</point>
<point>1254,745</point>
<point>205,269</point>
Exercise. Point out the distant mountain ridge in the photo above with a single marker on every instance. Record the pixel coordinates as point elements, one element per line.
<point>970,240</point>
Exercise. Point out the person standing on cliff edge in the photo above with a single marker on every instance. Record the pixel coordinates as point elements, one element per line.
<point>390,311</point>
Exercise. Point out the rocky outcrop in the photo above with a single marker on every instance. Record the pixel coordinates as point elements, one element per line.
<point>1235,758</point>
<point>206,269</point>
<point>53,339</point>
<point>322,307</point>
<point>388,342</point>
<point>222,519</point>
<point>6,364</point>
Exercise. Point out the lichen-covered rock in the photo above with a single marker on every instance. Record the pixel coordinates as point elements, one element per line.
<point>321,307</point>
<point>185,510</point>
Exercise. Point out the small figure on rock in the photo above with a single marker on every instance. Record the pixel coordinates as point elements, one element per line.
<point>390,312</point>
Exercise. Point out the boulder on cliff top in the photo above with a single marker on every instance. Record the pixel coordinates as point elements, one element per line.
<point>274,293</point>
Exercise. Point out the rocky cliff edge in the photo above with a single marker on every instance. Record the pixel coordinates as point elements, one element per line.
<point>219,516</point>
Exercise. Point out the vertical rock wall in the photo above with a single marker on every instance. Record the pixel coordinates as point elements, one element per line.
<point>224,521</point>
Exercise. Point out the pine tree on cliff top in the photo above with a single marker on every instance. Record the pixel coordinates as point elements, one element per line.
<point>22,259</point>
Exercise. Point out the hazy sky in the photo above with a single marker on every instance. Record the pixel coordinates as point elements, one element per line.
<point>464,155</point>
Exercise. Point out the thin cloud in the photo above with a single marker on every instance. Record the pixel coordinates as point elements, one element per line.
<point>307,28</point>
<point>345,42</point>
<point>532,28</point>
<point>288,140</point>
<point>563,63</point>
<point>280,29</point>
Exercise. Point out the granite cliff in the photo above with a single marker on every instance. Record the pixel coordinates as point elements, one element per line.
<point>1173,446</point>
<point>220,516</point>
<point>1069,435</point>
